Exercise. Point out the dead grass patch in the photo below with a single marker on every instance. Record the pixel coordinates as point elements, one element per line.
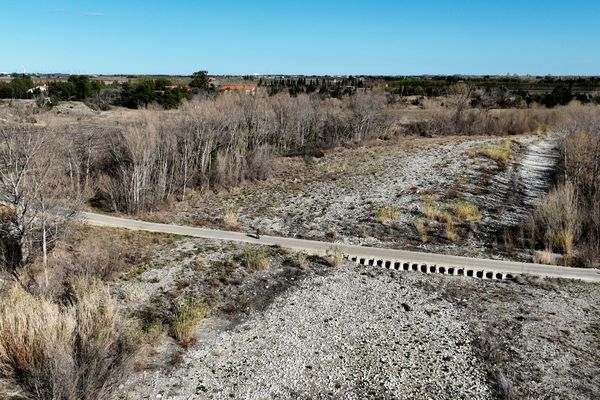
<point>436,213</point>
<point>230,216</point>
<point>466,211</point>
<point>499,152</point>
<point>421,227</point>
<point>556,218</point>
<point>81,349</point>
<point>186,321</point>
<point>334,256</point>
<point>450,233</point>
<point>108,252</point>
<point>256,257</point>
<point>386,213</point>
<point>545,257</point>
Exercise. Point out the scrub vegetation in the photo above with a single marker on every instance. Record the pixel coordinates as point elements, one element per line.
<point>82,308</point>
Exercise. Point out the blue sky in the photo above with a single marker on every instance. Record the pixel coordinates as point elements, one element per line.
<point>301,37</point>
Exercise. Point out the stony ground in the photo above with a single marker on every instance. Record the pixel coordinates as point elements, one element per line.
<point>336,198</point>
<point>351,332</point>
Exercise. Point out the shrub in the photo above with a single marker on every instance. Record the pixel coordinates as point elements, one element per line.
<point>334,256</point>
<point>299,259</point>
<point>78,350</point>
<point>435,213</point>
<point>466,211</point>
<point>230,216</point>
<point>256,257</point>
<point>556,218</point>
<point>545,257</point>
<point>387,213</point>
<point>186,321</point>
<point>450,232</point>
<point>331,234</point>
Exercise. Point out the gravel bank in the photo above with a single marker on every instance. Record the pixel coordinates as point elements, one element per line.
<point>336,198</point>
<point>351,334</point>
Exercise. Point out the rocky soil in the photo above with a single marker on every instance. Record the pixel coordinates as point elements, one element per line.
<point>352,332</point>
<point>335,198</point>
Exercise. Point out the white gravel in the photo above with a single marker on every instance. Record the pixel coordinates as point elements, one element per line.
<point>343,335</point>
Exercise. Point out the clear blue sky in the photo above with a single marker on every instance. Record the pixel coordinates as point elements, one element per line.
<point>389,37</point>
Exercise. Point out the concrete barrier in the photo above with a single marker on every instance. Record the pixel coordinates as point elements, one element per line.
<point>403,265</point>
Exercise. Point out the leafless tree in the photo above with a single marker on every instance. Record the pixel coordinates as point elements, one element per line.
<point>33,194</point>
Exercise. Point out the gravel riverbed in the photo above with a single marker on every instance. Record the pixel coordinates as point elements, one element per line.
<point>369,333</point>
<point>348,334</point>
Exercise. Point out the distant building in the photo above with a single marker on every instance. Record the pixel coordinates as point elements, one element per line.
<point>40,88</point>
<point>174,87</point>
<point>248,89</point>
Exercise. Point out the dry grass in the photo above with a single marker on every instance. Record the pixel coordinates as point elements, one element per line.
<point>545,257</point>
<point>435,213</point>
<point>256,257</point>
<point>466,211</point>
<point>499,152</point>
<point>185,323</point>
<point>155,332</point>
<point>450,233</point>
<point>78,350</point>
<point>458,211</point>
<point>299,259</point>
<point>421,227</point>
<point>107,252</point>
<point>557,218</point>
<point>562,240</point>
<point>387,213</point>
<point>334,256</point>
<point>230,216</point>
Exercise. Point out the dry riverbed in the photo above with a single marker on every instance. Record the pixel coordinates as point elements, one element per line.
<point>353,332</point>
<point>343,196</point>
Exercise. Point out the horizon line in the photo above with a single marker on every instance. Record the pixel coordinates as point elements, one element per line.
<point>124,74</point>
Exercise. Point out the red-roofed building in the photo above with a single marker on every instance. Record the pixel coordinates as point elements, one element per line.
<point>248,89</point>
<point>174,87</point>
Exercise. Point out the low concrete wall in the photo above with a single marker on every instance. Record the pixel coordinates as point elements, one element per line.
<point>407,265</point>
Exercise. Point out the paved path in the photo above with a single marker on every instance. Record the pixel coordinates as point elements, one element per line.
<point>316,247</point>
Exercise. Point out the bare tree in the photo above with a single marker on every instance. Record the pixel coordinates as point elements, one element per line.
<point>33,193</point>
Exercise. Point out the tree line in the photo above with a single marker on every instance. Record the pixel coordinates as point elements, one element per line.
<point>137,165</point>
<point>220,142</point>
<point>507,92</point>
<point>135,94</point>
